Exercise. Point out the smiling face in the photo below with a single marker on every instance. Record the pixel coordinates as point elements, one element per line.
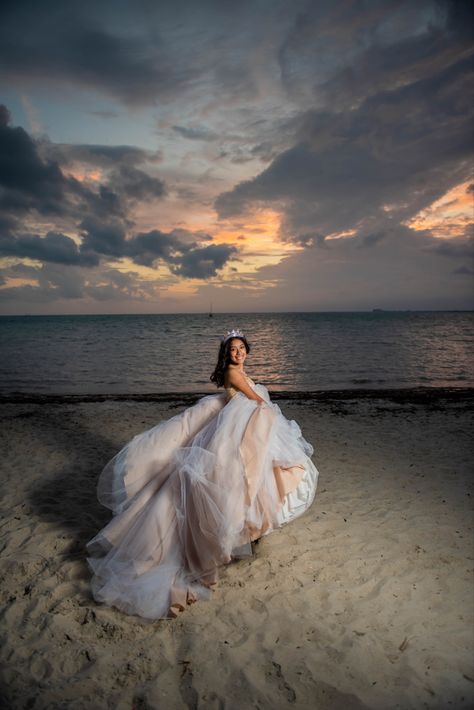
<point>237,352</point>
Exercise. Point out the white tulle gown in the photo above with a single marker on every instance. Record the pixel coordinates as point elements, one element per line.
<point>192,493</point>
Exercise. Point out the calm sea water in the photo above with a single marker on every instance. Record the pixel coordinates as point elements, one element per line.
<point>138,354</point>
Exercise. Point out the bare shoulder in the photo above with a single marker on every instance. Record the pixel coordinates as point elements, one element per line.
<point>228,374</point>
<point>233,375</point>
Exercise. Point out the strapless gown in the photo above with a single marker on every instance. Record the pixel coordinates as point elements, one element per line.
<point>190,495</point>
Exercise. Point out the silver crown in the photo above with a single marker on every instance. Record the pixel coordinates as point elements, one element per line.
<point>234,333</point>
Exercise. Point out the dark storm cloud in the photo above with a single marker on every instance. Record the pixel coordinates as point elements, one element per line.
<point>30,183</point>
<point>108,239</point>
<point>141,53</point>
<point>203,262</point>
<point>182,253</point>
<point>138,53</point>
<point>147,247</point>
<point>136,184</point>
<point>360,111</point>
<point>8,224</point>
<point>54,247</point>
<point>104,238</point>
<point>387,159</point>
<point>124,180</point>
<point>393,127</point>
<point>34,186</point>
<point>69,42</point>
<point>341,53</point>
<point>26,181</point>
<point>105,156</point>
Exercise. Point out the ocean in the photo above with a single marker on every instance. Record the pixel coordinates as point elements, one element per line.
<point>290,352</point>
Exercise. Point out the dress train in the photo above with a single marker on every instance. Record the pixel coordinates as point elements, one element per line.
<point>190,494</point>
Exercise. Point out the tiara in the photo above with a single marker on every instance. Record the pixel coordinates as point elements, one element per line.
<point>234,333</point>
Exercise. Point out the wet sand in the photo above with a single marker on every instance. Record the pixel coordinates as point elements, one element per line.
<point>364,602</point>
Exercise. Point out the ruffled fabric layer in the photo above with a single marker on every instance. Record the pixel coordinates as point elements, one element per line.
<point>191,494</point>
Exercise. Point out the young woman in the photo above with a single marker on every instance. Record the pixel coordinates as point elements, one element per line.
<point>193,492</point>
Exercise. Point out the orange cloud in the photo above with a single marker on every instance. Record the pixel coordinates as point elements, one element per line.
<point>258,239</point>
<point>449,216</point>
<point>342,235</point>
<point>13,282</point>
<point>83,173</point>
<point>257,235</point>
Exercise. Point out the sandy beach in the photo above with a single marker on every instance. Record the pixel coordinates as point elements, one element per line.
<point>364,602</point>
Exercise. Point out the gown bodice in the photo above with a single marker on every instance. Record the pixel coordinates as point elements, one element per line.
<point>231,391</point>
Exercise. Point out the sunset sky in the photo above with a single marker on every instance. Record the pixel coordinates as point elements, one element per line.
<point>263,155</point>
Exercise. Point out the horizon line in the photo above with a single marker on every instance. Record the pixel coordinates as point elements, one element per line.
<point>225,313</point>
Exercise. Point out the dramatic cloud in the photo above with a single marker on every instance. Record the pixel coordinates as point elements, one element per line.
<point>147,53</point>
<point>184,257</point>
<point>103,156</point>
<point>30,183</point>
<point>98,213</point>
<point>136,184</point>
<point>201,263</point>
<point>102,241</point>
<point>53,247</point>
<point>330,140</point>
<point>26,181</point>
<point>385,160</point>
<point>339,54</point>
<point>74,44</point>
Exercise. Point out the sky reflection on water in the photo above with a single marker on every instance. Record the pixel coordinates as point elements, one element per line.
<point>290,351</point>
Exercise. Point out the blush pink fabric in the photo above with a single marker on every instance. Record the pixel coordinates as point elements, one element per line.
<point>191,494</point>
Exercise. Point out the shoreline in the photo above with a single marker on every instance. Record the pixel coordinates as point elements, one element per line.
<point>414,395</point>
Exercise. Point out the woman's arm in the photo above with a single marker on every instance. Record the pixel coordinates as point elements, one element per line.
<point>239,382</point>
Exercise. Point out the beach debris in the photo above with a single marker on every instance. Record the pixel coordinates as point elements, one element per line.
<point>403,644</point>
<point>89,615</point>
<point>283,685</point>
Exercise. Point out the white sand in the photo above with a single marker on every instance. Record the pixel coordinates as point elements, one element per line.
<point>365,602</point>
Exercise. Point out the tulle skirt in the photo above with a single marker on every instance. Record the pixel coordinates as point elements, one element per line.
<point>191,494</point>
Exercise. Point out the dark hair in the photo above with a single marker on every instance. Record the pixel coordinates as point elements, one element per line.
<point>223,359</point>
